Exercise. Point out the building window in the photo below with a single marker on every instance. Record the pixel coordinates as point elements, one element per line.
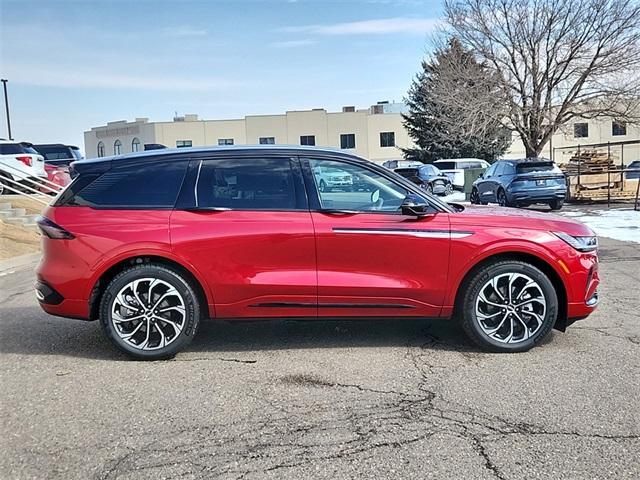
<point>117,147</point>
<point>184,143</point>
<point>135,145</point>
<point>580,130</point>
<point>225,141</point>
<point>267,140</point>
<point>307,139</point>
<point>387,139</point>
<point>100,149</point>
<point>347,140</point>
<point>618,128</point>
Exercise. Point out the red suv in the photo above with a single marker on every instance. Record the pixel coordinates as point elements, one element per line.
<point>152,243</point>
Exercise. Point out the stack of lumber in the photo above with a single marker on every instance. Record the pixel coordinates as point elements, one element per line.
<point>588,161</point>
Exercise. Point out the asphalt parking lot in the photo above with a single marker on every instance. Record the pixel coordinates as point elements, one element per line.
<point>290,399</point>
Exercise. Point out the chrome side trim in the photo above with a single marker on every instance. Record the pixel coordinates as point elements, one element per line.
<point>406,232</point>
<point>195,187</point>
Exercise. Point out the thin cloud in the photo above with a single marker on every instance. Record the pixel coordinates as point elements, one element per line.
<point>184,31</point>
<point>382,26</point>
<point>50,77</point>
<point>294,43</point>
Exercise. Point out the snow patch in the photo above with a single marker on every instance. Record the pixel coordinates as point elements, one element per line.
<point>620,224</point>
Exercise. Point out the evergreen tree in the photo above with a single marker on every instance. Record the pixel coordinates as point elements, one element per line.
<point>456,109</point>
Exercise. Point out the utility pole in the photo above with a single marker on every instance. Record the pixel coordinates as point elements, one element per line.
<point>6,105</point>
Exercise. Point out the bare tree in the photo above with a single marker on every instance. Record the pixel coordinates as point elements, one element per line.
<point>556,59</point>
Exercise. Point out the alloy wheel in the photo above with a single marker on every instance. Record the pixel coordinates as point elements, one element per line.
<point>448,190</point>
<point>502,198</point>
<point>148,313</point>
<point>510,308</point>
<point>475,197</point>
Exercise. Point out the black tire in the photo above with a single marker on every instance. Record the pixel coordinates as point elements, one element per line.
<point>470,321</point>
<point>474,197</point>
<point>190,322</point>
<point>430,188</point>
<point>556,204</point>
<point>501,198</point>
<point>322,186</point>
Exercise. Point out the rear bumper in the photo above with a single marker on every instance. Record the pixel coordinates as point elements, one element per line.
<point>52,302</point>
<point>537,195</point>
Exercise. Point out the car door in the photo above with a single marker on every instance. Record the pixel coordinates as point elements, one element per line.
<point>372,260</point>
<point>484,186</point>
<point>244,224</point>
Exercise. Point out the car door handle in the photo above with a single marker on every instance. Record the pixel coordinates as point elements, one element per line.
<point>207,209</point>
<point>337,211</point>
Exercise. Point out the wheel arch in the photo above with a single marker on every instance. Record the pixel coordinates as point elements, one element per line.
<point>527,257</point>
<point>108,273</point>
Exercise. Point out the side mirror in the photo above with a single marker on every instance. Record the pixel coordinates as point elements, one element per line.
<point>415,206</point>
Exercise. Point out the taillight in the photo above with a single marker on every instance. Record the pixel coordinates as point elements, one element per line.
<point>25,160</point>
<point>53,230</point>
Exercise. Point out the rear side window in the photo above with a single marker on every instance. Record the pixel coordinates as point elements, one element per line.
<point>16,148</point>
<point>446,165</point>
<point>154,186</point>
<point>247,184</point>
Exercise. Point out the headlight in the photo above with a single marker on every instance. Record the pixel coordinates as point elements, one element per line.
<point>582,244</point>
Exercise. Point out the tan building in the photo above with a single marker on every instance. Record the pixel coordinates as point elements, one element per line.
<point>375,133</point>
<point>604,132</point>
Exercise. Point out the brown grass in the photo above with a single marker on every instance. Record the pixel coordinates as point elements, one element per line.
<point>16,240</point>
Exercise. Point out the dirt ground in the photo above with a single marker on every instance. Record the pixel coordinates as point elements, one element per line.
<point>33,207</point>
<point>16,241</point>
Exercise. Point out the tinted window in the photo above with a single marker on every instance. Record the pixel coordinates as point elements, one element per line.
<point>508,169</point>
<point>251,184</point>
<point>499,169</point>
<point>348,140</point>
<point>267,140</point>
<point>536,167</point>
<point>154,185</point>
<point>387,139</point>
<point>15,148</point>
<point>446,165</point>
<point>491,170</point>
<point>307,140</point>
<point>55,152</point>
<point>352,187</point>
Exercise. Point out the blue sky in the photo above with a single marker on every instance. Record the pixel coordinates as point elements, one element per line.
<point>76,64</point>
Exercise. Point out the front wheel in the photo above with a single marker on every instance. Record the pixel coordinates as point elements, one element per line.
<point>475,197</point>
<point>150,312</point>
<point>508,306</point>
<point>448,189</point>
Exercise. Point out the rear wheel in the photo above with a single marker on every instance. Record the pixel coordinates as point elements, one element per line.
<point>501,197</point>
<point>150,312</point>
<point>429,188</point>
<point>556,204</point>
<point>322,186</point>
<point>3,190</point>
<point>508,306</point>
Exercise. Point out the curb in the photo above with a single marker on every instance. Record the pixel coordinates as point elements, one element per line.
<point>20,261</point>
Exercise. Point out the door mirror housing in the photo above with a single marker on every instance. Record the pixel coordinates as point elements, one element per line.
<point>415,206</point>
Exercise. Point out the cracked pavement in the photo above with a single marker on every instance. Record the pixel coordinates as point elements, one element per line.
<point>324,399</point>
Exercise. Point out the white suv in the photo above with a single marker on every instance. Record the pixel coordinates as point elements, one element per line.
<point>21,163</point>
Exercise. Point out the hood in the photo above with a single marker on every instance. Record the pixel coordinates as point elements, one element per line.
<point>492,216</point>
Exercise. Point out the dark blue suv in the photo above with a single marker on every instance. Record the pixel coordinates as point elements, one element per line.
<point>520,183</point>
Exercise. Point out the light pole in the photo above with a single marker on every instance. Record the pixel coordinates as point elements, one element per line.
<point>6,105</point>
